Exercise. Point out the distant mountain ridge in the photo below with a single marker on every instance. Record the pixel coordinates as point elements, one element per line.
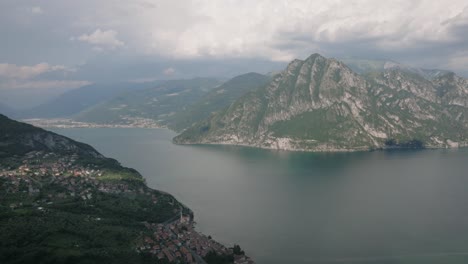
<point>77,100</point>
<point>157,102</point>
<point>216,100</point>
<point>6,110</point>
<point>362,66</point>
<point>321,104</point>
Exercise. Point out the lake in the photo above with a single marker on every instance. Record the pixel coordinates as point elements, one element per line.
<point>292,207</point>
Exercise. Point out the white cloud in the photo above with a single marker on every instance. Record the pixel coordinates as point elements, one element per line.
<point>37,10</point>
<point>25,72</point>
<point>106,38</point>
<point>280,30</point>
<point>28,77</point>
<point>169,71</point>
<point>277,30</point>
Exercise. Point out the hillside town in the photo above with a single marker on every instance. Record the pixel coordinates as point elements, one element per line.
<point>178,242</point>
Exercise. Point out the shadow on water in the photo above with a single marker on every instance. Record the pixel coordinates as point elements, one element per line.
<point>306,160</point>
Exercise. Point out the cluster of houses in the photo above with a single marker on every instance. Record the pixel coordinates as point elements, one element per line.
<point>178,242</point>
<point>124,122</point>
<point>72,179</point>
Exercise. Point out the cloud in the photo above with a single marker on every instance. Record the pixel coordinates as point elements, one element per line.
<point>37,10</point>
<point>13,76</point>
<point>13,71</point>
<point>169,71</point>
<point>144,80</point>
<point>263,29</point>
<point>426,33</point>
<point>43,84</point>
<point>106,38</point>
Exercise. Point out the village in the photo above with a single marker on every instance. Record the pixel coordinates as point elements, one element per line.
<point>174,241</point>
<point>124,122</point>
<point>39,168</point>
<point>178,242</point>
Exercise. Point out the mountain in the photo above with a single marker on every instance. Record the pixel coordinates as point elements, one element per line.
<point>20,138</point>
<point>320,104</point>
<point>75,101</point>
<point>362,66</point>
<point>6,110</point>
<point>156,103</point>
<point>216,99</point>
<point>55,191</point>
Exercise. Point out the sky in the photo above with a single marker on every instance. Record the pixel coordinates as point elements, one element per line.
<point>51,46</point>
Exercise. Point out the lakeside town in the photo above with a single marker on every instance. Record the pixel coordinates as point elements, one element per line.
<point>178,241</point>
<point>125,122</point>
<point>45,179</point>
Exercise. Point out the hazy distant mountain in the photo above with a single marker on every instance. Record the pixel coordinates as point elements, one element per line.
<point>320,104</point>
<point>362,66</point>
<point>75,101</point>
<point>157,103</point>
<point>6,110</point>
<point>217,99</point>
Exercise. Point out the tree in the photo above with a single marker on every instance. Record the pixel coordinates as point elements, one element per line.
<point>237,250</point>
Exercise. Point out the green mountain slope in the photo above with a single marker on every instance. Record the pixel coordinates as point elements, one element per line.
<point>18,138</point>
<point>77,100</point>
<point>320,104</point>
<point>156,103</point>
<point>63,202</point>
<point>216,100</point>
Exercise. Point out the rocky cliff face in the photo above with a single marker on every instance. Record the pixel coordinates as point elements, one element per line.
<point>320,104</point>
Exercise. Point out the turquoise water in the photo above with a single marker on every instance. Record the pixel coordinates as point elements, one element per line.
<point>290,207</point>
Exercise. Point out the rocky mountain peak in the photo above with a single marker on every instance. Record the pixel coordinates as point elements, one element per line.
<point>320,104</point>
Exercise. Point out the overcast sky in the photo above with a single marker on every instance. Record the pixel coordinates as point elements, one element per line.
<point>50,46</point>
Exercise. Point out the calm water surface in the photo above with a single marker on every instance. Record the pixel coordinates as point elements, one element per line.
<point>287,207</point>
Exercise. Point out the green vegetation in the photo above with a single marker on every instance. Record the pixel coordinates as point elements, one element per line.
<point>102,230</point>
<point>410,144</point>
<point>216,100</point>
<point>19,138</point>
<point>237,250</point>
<point>213,258</point>
<point>158,103</point>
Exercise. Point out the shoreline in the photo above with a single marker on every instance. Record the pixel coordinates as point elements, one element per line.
<point>322,150</point>
<point>67,123</point>
<point>70,123</point>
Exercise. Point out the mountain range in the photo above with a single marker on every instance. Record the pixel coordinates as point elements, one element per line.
<point>158,102</point>
<point>77,100</point>
<point>321,104</point>
<point>216,99</point>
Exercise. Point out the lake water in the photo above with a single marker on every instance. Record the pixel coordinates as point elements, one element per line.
<point>290,207</point>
